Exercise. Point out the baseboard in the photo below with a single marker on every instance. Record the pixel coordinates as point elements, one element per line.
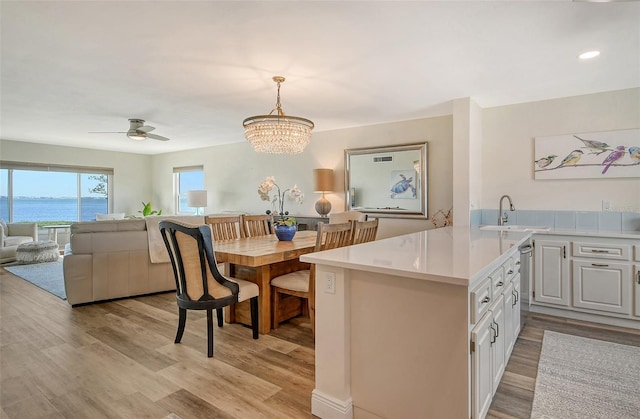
<point>588,317</point>
<point>328,407</point>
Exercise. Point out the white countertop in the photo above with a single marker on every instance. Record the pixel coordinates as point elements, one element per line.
<point>456,255</point>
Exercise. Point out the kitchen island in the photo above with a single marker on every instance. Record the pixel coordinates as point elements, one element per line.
<point>394,322</point>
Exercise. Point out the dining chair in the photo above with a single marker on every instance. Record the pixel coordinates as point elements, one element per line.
<point>256,225</point>
<point>346,216</point>
<point>225,227</point>
<point>302,283</point>
<point>199,283</point>
<point>364,231</point>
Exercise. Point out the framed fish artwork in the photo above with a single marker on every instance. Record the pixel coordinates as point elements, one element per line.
<point>592,155</point>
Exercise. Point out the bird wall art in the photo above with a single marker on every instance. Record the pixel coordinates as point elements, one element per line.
<point>600,155</point>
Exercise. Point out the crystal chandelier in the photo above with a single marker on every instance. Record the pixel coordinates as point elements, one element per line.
<point>277,134</point>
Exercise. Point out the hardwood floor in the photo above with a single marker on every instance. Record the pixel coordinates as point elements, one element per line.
<point>514,397</point>
<point>118,360</point>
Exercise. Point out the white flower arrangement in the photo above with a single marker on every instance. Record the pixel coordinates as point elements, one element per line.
<point>293,192</point>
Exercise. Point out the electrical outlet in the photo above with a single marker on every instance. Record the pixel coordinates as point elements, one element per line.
<point>606,205</point>
<point>330,283</point>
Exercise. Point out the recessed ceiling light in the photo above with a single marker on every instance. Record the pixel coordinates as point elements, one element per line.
<point>588,54</point>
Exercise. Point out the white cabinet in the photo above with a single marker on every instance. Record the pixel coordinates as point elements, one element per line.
<point>602,285</point>
<point>636,285</point>
<point>512,314</point>
<point>482,337</point>
<point>498,361</point>
<point>551,277</point>
<point>495,313</point>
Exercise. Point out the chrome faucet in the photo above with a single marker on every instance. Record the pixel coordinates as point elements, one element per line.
<point>504,218</point>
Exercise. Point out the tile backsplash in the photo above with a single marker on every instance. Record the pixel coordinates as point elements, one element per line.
<point>579,220</point>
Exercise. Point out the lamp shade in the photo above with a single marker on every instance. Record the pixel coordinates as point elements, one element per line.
<point>323,180</point>
<point>197,199</point>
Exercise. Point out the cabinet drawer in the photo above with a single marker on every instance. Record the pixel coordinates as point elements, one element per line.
<point>510,269</point>
<point>498,282</point>
<point>480,300</point>
<point>602,251</point>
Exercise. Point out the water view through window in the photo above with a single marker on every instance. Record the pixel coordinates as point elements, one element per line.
<point>35,195</point>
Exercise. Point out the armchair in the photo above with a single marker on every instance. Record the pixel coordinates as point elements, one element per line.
<point>14,234</point>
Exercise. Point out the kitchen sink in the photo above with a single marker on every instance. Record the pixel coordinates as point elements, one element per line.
<point>514,227</point>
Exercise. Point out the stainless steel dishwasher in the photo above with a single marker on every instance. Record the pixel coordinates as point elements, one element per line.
<point>526,253</point>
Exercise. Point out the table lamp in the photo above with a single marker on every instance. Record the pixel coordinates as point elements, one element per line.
<point>197,199</point>
<point>323,181</point>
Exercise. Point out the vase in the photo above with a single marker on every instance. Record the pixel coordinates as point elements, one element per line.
<point>284,232</point>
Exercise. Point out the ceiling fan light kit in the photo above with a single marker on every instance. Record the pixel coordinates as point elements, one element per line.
<point>279,133</point>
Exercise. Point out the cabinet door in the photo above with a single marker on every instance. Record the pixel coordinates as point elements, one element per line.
<point>517,320</point>
<point>637,287</point>
<point>508,319</point>
<point>483,336</point>
<point>497,349</point>
<point>604,286</point>
<point>551,272</point>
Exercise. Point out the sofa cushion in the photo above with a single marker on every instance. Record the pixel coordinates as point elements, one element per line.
<point>136,224</point>
<point>111,216</point>
<point>5,229</point>
<point>16,240</point>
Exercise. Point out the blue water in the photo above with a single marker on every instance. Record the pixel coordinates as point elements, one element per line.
<point>52,209</point>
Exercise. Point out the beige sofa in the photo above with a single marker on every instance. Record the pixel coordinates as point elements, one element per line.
<point>111,259</point>
<point>14,234</point>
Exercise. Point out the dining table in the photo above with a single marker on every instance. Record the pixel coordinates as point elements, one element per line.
<point>259,259</point>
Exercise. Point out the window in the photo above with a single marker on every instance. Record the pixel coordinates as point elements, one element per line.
<point>53,194</point>
<point>187,179</point>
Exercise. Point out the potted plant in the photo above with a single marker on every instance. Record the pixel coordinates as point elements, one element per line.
<point>284,225</point>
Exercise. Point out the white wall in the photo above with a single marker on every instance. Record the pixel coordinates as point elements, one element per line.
<point>508,150</point>
<point>131,172</point>
<point>233,171</point>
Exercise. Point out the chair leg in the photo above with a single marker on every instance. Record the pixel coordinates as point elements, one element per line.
<point>210,333</point>
<point>220,317</point>
<point>255,320</point>
<point>275,306</point>
<point>182,319</point>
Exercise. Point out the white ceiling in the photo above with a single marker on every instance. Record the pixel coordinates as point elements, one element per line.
<point>196,69</point>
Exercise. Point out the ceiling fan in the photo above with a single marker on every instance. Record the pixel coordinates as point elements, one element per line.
<point>137,131</point>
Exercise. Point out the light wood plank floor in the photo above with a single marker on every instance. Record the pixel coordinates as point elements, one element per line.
<point>118,360</point>
<point>514,397</point>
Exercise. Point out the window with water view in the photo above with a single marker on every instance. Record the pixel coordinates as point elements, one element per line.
<point>49,196</point>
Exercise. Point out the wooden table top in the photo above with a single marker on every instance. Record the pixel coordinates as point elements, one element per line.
<point>264,250</point>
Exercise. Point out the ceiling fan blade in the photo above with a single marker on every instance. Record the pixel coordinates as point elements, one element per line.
<point>146,128</point>
<point>157,137</point>
<point>107,132</point>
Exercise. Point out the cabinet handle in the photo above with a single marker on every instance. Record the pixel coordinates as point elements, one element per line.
<point>497,329</point>
<point>564,252</point>
<point>494,335</point>
<point>499,284</point>
<point>600,265</point>
<point>599,251</point>
<point>515,298</point>
<point>510,272</point>
<point>638,276</point>
<point>485,300</point>
<point>518,263</point>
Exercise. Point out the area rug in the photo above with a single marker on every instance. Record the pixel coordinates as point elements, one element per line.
<point>586,378</point>
<point>48,276</point>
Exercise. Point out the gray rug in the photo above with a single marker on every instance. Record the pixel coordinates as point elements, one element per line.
<point>47,276</point>
<point>586,378</point>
